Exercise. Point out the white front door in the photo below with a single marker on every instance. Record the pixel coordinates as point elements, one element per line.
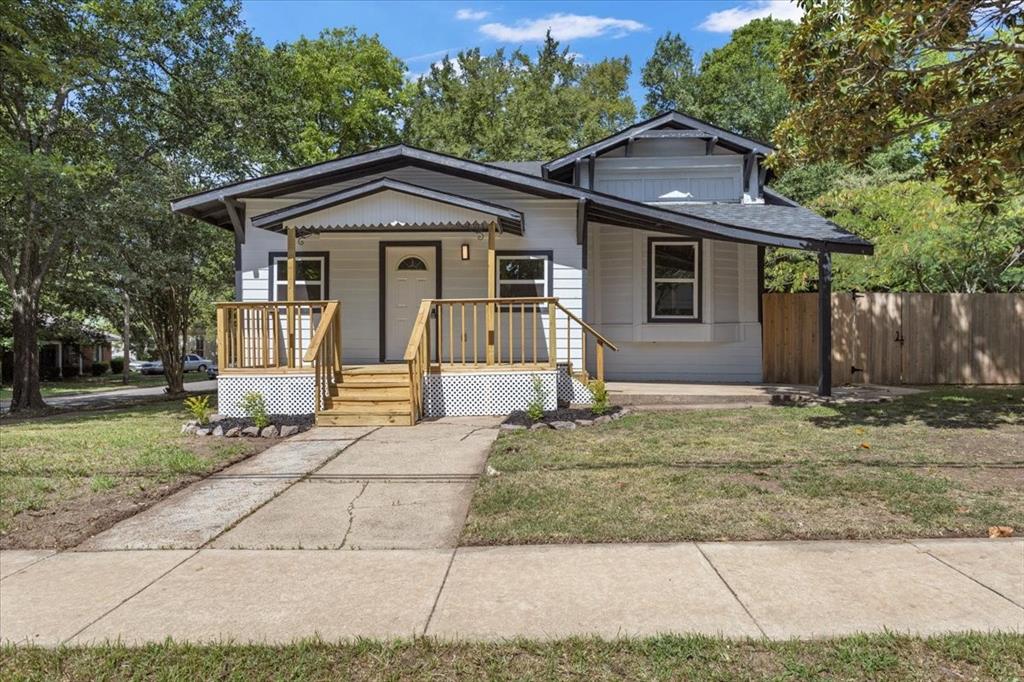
<point>411,277</point>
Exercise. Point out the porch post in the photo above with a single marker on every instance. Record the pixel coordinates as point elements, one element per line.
<point>824,323</point>
<point>492,291</point>
<point>291,297</point>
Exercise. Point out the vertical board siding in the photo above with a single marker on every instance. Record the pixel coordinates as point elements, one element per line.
<point>910,338</point>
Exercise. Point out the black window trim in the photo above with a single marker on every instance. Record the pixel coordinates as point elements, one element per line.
<point>272,283</point>
<point>698,294</point>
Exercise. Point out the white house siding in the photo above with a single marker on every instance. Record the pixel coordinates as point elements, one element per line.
<point>724,346</point>
<point>550,225</point>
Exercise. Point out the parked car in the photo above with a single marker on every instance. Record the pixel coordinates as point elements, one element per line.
<point>151,367</point>
<point>196,363</point>
<point>211,372</point>
<point>135,365</point>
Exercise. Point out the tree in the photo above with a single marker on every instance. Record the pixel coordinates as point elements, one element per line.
<point>514,107</point>
<point>739,88</point>
<point>670,77</point>
<point>84,83</point>
<point>862,74</point>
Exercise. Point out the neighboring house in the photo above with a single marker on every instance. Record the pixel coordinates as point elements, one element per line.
<point>461,285</point>
<point>70,349</point>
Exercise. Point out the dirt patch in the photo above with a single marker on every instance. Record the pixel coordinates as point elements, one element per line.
<point>89,512</point>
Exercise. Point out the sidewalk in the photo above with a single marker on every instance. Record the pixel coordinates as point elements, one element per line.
<point>772,589</point>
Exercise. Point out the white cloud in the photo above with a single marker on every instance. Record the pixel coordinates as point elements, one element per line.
<point>563,27</point>
<point>471,14</point>
<point>429,55</point>
<point>728,20</point>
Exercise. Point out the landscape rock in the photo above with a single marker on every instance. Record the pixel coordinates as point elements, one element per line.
<point>233,432</point>
<point>603,419</point>
<point>218,431</point>
<point>512,427</point>
<point>584,422</point>
<point>216,417</point>
<point>289,430</point>
<point>252,431</point>
<point>202,431</point>
<point>188,428</point>
<point>540,425</point>
<point>563,426</point>
<point>491,471</point>
<point>269,431</point>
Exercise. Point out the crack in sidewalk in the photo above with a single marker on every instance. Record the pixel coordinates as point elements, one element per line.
<point>731,591</point>
<point>352,513</point>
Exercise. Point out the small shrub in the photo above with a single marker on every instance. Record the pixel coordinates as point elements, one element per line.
<point>199,407</point>
<point>99,369</point>
<point>600,393</point>
<point>116,365</point>
<point>535,409</point>
<point>255,408</point>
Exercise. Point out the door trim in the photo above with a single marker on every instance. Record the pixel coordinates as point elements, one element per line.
<point>383,288</point>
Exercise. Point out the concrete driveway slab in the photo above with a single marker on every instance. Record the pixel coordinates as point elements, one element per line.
<point>52,600</point>
<point>998,564</point>
<point>820,589</point>
<point>283,595</point>
<point>409,515</point>
<point>14,560</point>
<point>607,590</point>
<point>387,458</point>
<point>309,515</point>
<point>425,432</point>
<point>287,459</point>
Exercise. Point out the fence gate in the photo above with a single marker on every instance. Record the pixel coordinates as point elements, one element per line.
<point>897,338</point>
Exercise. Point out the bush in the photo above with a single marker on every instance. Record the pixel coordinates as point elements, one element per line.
<point>535,410</point>
<point>99,368</point>
<point>255,408</point>
<point>117,365</point>
<point>199,407</point>
<point>600,393</point>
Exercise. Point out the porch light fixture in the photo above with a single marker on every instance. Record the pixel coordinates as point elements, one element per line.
<point>465,252</point>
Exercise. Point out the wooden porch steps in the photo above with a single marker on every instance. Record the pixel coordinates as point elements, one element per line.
<point>369,395</point>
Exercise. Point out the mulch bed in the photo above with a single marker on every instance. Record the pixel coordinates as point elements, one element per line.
<point>568,414</point>
<point>303,421</point>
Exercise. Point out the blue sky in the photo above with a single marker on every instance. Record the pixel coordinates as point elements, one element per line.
<point>422,32</point>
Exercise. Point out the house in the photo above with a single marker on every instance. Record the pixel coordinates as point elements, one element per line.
<point>401,283</point>
<point>70,348</point>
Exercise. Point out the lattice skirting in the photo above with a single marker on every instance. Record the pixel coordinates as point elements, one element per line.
<point>572,390</point>
<point>283,394</point>
<point>490,393</point>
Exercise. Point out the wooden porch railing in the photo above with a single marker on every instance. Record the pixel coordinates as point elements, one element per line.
<point>256,336</point>
<point>454,334</point>
<point>324,353</point>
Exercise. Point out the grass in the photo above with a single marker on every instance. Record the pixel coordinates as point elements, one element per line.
<point>60,474</point>
<point>875,657</point>
<point>106,382</point>
<point>942,463</point>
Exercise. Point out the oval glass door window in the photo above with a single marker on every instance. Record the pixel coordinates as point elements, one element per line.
<point>412,263</point>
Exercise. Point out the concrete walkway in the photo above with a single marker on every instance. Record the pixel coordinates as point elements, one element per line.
<point>327,488</point>
<point>773,589</point>
<point>679,395</point>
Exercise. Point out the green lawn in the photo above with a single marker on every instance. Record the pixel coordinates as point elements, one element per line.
<point>943,463</point>
<point>107,382</point>
<point>63,477</point>
<point>879,657</point>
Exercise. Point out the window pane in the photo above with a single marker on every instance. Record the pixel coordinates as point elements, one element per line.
<point>304,269</point>
<point>412,263</point>
<point>525,289</point>
<point>673,299</point>
<point>674,261</point>
<point>303,292</point>
<point>521,268</point>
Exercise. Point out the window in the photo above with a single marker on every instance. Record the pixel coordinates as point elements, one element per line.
<point>309,278</point>
<point>673,271</point>
<point>412,263</point>
<point>523,274</point>
<point>97,354</point>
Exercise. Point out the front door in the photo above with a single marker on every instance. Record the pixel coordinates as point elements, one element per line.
<point>411,276</point>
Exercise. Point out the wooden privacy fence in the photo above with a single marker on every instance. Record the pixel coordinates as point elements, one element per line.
<point>897,338</point>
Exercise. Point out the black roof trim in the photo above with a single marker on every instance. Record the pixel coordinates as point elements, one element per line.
<point>209,206</point>
<point>509,220</point>
<point>776,199</point>
<point>670,119</point>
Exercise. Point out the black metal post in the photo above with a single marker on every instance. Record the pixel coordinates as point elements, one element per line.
<point>824,323</point>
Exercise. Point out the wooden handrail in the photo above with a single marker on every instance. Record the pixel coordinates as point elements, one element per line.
<point>326,321</point>
<point>270,304</point>
<point>586,327</point>
<point>419,328</point>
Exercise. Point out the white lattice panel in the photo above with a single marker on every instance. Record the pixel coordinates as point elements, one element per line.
<point>572,390</point>
<point>493,393</point>
<point>283,394</point>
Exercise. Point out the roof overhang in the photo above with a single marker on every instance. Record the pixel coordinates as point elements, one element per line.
<point>668,125</point>
<point>358,209</point>
<point>212,206</point>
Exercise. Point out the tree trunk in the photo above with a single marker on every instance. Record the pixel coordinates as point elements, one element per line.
<point>126,340</point>
<point>25,372</point>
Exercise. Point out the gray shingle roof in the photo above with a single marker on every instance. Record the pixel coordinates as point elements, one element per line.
<point>791,221</point>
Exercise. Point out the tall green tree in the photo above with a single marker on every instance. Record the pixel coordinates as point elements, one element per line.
<point>88,87</point>
<point>862,74</point>
<point>517,107</point>
<point>739,88</point>
<point>670,77</point>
